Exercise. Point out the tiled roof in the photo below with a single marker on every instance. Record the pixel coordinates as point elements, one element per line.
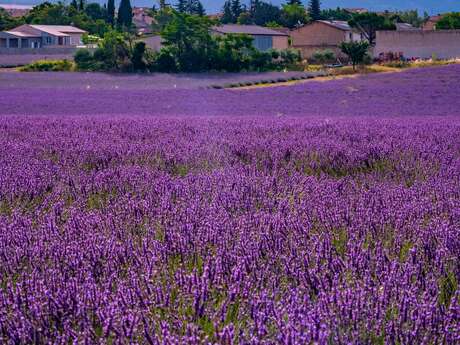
<point>58,30</point>
<point>15,7</point>
<point>247,29</point>
<point>21,34</point>
<point>405,27</point>
<point>338,24</point>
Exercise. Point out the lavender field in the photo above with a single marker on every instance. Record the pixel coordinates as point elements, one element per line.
<point>271,216</point>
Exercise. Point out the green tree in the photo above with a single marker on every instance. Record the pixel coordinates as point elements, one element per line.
<point>95,11</point>
<point>245,18</point>
<point>190,7</point>
<point>162,4</point>
<point>182,6</point>
<point>236,9</point>
<point>294,2</point>
<point>264,13</point>
<point>199,9</point>
<point>450,21</point>
<point>138,55</point>
<point>293,16</point>
<point>336,14</point>
<point>189,40</point>
<point>314,9</point>
<point>233,53</point>
<point>125,14</point>
<point>162,18</point>
<point>369,24</point>
<point>111,12</point>
<point>8,22</point>
<point>356,51</point>
<point>81,5</point>
<point>412,17</point>
<point>227,14</point>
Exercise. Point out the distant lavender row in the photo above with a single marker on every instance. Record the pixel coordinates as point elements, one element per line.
<point>147,82</point>
<point>418,92</point>
<point>229,231</point>
<point>9,60</point>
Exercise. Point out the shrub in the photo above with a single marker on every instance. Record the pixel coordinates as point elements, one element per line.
<point>138,57</point>
<point>164,61</point>
<point>49,65</point>
<point>356,51</point>
<point>84,60</point>
<point>324,56</point>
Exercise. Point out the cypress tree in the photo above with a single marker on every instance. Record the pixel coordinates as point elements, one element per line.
<point>227,16</point>
<point>198,8</point>
<point>125,14</point>
<point>182,6</point>
<point>111,12</point>
<point>81,5</point>
<point>74,4</point>
<point>237,9</point>
<point>315,9</point>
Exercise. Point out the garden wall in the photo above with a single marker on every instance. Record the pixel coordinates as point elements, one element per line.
<point>444,44</point>
<point>12,57</point>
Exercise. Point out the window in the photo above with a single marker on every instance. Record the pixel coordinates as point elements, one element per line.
<point>263,43</point>
<point>48,40</point>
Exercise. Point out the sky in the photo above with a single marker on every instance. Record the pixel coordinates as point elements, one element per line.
<point>212,6</point>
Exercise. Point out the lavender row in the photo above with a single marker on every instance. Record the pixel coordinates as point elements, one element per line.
<point>229,231</point>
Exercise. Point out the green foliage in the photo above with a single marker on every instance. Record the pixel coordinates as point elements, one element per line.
<point>264,13</point>
<point>190,7</point>
<point>49,65</point>
<point>245,19</point>
<point>450,21</point>
<point>7,22</point>
<point>293,15</point>
<point>447,288</point>
<point>165,61</point>
<point>113,54</point>
<point>138,57</point>
<point>84,60</point>
<point>324,56</point>
<point>60,14</point>
<point>233,53</point>
<point>95,11</point>
<point>336,14</point>
<point>190,41</point>
<point>340,241</point>
<point>356,51</point>
<point>314,9</point>
<point>111,12</point>
<point>125,14</point>
<point>162,18</point>
<point>411,17</point>
<point>370,23</point>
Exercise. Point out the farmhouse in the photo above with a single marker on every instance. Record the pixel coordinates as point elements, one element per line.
<point>16,10</point>
<point>323,34</point>
<point>38,36</point>
<point>431,23</point>
<point>142,20</point>
<point>264,38</point>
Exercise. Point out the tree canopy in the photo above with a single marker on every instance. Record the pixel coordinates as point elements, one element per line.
<point>369,24</point>
<point>449,21</point>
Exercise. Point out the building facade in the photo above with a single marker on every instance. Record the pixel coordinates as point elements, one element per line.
<point>41,36</point>
<point>442,44</point>
<point>321,35</point>
<point>264,38</point>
